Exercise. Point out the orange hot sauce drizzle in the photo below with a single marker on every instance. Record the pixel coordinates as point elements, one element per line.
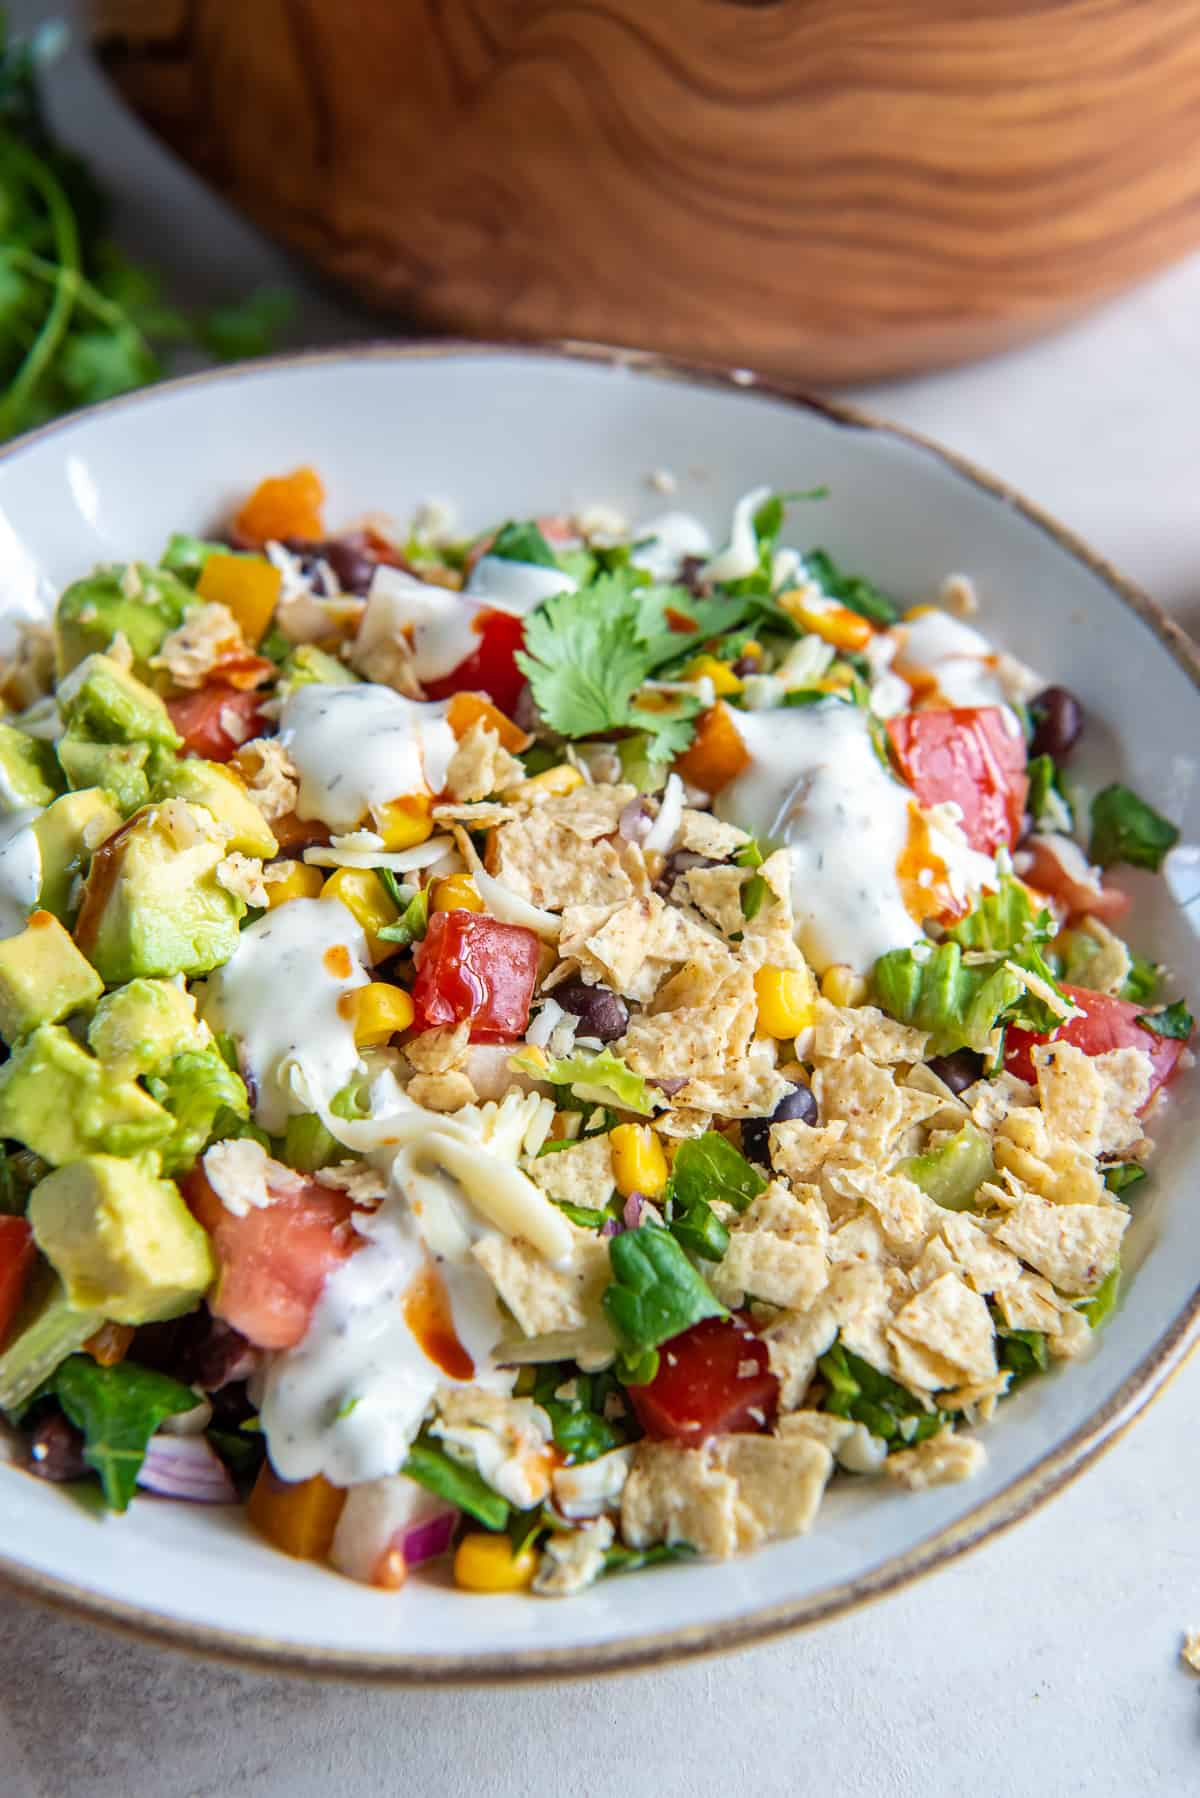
<point>428,1315</point>
<point>923,876</point>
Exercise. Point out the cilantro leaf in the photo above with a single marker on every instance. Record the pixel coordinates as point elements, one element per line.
<point>522,543</point>
<point>1126,829</point>
<point>1141,982</point>
<point>245,327</point>
<point>118,1409</point>
<point>853,590</point>
<point>1175,1021</point>
<point>655,1292</point>
<point>431,1467</point>
<point>707,1167</point>
<point>583,658</point>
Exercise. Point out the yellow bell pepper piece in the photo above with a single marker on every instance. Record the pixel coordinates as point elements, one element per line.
<point>486,1563</point>
<point>456,893</point>
<point>248,585</point>
<point>721,675</point>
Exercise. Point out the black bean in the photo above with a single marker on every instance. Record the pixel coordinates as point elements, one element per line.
<point>1057,722</point>
<point>691,575</point>
<point>756,1132</point>
<point>745,665</point>
<point>199,1349</point>
<point>56,1450</point>
<point>677,863</point>
<point>348,557</point>
<point>960,1070</point>
<point>600,1013</point>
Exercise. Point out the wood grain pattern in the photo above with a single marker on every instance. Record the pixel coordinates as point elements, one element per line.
<point>825,188</point>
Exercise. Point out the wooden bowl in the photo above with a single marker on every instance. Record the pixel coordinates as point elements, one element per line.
<point>830,189</point>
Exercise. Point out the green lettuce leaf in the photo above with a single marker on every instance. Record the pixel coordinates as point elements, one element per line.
<point>201,1092</point>
<point>655,1292</point>
<point>707,1167</point>
<point>1126,829</point>
<point>860,1392</point>
<point>118,1409</point>
<point>431,1467</point>
<point>1175,1021</point>
<point>601,1079</point>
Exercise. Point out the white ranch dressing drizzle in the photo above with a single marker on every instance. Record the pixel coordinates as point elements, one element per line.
<point>673,535</point>
<point>358,747</point>
<point>278,995</point>
<point>958,658</point>
<point>20,870</point>
<point>439,620</point>
<point>815,783</point>
<point>516,586</point>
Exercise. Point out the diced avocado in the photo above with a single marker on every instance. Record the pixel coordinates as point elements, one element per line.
<point>952,1173</point>
<point>43,977</point>
<point>138,1028</point>
<point>152,903</point>
<point>141,603</point>
<point>103,702</point>
<point>68,832</point>
<point>121,1239</point>
<point>29,772</point>
<point>197,1088</point>
<point>308,666</point>
<point>118,769</point>
<point>62,1103</point>
<point>225,796</point>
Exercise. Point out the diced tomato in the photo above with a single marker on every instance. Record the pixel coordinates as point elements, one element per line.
<point>16,1258</point>
<point>1059,868</point>
<point>973,755</point>
<point>1107,1024</point>
<point>711,1380</point>
<point>275,1260</point>
<point>491,669</point>
<point>203,720</point>
<point>471,966</point>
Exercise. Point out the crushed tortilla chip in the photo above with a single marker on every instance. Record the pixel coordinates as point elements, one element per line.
<point>941,1460</point>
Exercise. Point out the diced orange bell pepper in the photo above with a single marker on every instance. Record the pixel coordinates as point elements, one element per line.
<point>717,754</point>
<point>298,1517</point>
<point>286,505</point>
<point>110,1344</point>
<point>248,585</point>
<point>467,709</point>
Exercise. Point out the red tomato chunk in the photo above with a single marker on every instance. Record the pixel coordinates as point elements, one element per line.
<point>275,1260</point>
<point>492,669</point>
<point>16,1258</point>
<point>711,1380</point>
<point>204,719</point>
<point>974,756</point>
<point>470,966</point>
<point>1107,1024</point>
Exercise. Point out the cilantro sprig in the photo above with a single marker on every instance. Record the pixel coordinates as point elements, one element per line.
<point>117,1409</point>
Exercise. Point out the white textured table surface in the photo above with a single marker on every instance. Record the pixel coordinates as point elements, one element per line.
<point>1045,1664</point>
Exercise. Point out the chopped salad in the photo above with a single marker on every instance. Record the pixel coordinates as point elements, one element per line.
<point>547,1048</point>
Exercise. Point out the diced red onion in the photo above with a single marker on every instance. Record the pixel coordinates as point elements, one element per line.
<point>186,1467</point>
<point>610,1227</point>
<point>635,821</point>
<point>426,1540</point>
<point>632,1213</point>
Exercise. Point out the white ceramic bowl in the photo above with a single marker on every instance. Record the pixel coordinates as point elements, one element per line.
<point>500,433</point>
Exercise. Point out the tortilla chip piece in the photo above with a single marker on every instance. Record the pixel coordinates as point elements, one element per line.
<point>1029,1303</point>
<point>752,1090</point>
<point>480,766</point>
<point>866,1098</point>
<point>1072,1338</point>
<point>842,1029</point>
<point>441,1092</point>
<point>983,1263</point>
<point>780,1483</point>
<point>439,1050</point>
<point>552,868</point>
<point>1110,966</point>
<point>951,1320</point>
<point>702,834</point>
<point>1051,1166</point>
<point>761,1265</point>
<point>542,1297</point>
<point>588,812</point>
<point>800,1150</point>
<point>717,892</point>
<point>1074,1246</point>
<point>858,1239</point>
<point>677,1494</point>
<point>794,1346</point>
<point>919,1369</point>
<point>580,1175</point>
<point>1126,1075</point>
<point>940,1461</point>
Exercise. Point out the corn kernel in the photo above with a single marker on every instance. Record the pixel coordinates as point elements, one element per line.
<point>377,1012</point>
<point>842,986</point>
<point>362,893</point>
<point>639,1164</point>
<point>785,1000</point>
<point>827,618</point>
<point>486,1563</point>
<point>292,880</point>
<point>556,782</point>
<point>752,648</point>
<point>456,893</point>
<point>721,675</point>
<point>403,823</point>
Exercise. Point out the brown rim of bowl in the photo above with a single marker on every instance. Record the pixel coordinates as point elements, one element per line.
<point>1017,1500</point>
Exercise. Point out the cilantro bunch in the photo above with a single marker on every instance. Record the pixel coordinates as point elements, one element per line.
<point>78,321</point>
